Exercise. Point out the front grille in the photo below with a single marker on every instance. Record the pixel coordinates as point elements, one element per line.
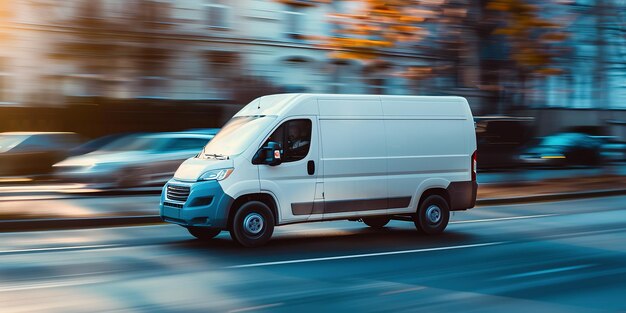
<point>178,193</point>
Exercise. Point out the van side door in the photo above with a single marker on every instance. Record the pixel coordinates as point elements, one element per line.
<point>293,180</point>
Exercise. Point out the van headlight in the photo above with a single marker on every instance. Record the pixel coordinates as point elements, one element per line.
<point>216,174</point>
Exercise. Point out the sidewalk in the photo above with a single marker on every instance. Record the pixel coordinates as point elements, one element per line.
<point>551,186</point>
<point>117,210</point>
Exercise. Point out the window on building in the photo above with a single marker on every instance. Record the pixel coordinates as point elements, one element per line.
<point>339,74</point>
<point>222,67</point>
<point>152,13</point>
<point>217,15</point>
<point>52,90</point>
<point>84,85</point>
<point>90,9</point>
<point>4,80</point>
<point>3,88</point>
<point>294,23</point>
<point>377,86</point>
<point>153,87</point>
<point>114,8</point>
<point>153,64</point>
<point>6,11</point>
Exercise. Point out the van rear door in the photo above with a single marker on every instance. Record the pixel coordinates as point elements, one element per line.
<point>354,157</point>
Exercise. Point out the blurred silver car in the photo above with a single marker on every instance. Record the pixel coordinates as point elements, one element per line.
<point>135,160</point>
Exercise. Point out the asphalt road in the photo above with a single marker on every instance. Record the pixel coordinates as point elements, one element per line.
<point>548,257</point>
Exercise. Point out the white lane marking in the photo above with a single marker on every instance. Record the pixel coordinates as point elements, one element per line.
<point>27,198</point>
<point>254,308</point>
<point>543,272</point>
<point>393,292</point>
<point>354,256</point>
<point>42,188</point>
<point>52,285</point>
<point>58,249</point>
<point>502,219</point>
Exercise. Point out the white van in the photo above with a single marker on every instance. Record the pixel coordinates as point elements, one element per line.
<point>294,158</point>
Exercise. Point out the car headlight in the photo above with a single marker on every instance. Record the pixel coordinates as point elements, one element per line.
<point>216,174</point>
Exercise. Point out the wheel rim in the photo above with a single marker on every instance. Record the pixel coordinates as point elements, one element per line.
<point>433,214</point>
<point>253,223</point>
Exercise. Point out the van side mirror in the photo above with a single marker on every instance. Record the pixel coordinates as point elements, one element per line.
<point>270,154</point>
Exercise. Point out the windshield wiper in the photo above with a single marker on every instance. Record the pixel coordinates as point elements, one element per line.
<point>216,156</point>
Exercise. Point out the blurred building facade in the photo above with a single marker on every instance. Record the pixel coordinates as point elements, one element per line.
<point>594,65</point>
<point>234,50</point>
<point>175,49</point>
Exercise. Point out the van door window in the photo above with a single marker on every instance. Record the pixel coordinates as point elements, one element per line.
<point>294,137</point>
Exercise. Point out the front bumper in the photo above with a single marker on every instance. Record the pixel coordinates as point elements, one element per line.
<point>207,205</point>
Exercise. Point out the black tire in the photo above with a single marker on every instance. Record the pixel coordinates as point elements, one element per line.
<point>203,233</point>
<point>376,222</point>
<point>438,209</point>
<point>253,224</point>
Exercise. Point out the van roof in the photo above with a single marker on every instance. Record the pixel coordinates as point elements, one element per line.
<point>279,104</point>
<point>290,96</point>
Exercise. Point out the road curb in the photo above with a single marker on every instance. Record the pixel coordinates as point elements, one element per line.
<point>76,223</point>
<point>118,221</point>
<point>79,195</point>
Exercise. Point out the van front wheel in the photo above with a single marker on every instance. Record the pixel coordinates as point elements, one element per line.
<point>253,224</point>
<point>432,215</point>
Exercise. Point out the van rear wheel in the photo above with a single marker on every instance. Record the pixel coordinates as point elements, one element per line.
<point>376,222</point>
<point>433,215</point>
<point>203,233</point>
<point>253,224</point>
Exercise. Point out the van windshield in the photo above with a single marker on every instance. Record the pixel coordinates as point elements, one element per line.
<point>236,136</point>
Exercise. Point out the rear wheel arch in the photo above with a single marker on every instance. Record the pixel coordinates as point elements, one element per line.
<point>434,191</point>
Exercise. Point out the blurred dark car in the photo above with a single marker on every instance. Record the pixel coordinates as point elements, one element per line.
<point>501,139</point>
<point>564,149</point>
<point>132,161</point>
<point>33,153</point>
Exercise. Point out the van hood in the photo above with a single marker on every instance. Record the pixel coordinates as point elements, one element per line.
<point>192,168</point>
